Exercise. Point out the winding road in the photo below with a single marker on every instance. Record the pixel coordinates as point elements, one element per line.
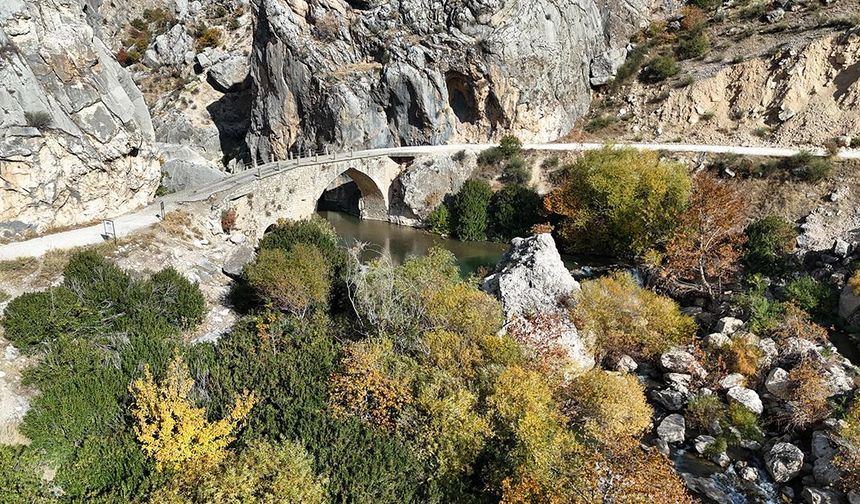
<point>143,218</point>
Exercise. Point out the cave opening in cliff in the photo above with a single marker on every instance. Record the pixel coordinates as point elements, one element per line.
<point>461,97</point>
<point>354,193</point>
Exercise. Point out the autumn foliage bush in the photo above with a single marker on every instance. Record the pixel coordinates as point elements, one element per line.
<point>621,317</point>
<point>705,248</point>
<point>619,202</point>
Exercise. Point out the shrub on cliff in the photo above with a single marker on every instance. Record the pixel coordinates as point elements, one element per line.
<point>659,69</point>
<point>470,210</point>
<point>769,241</point>
<point>623,318</point>
<point>619,201</point>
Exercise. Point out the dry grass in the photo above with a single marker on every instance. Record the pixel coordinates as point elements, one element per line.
<point>355,68</point>
<point>179,223</point>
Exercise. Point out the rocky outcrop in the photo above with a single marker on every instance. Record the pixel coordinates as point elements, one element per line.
<point>374,74</point>
<point>74,129</point>
<point>534,288</point>
<point>426,182</point>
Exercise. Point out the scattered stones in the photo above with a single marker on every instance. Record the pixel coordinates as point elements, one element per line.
<point>777,382</point>
<point>681,361</point>
<point>728,325</point>
<point>732,380</point>
<point>672,428</point>
<point>626,364</point>
<point>784,462</point>
<point>747,398</point>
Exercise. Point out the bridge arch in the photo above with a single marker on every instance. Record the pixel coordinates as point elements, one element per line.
<point>356,192</point>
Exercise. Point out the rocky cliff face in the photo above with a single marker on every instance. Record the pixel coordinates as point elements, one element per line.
<point>74,129</point>
<point>372,73</point>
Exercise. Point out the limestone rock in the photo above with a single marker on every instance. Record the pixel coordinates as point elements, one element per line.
<point>237,260</point>
<point>230,74</point>
<point>747,398</point>
<point>672,428</point>
<point>733,380</point>
<point>678,360</point>
<point>605,65</point>
<point>530,279</point>
<point>812,495</point>
<point>74,128</point>
<point>174,48</point>
<point>425,183</point>
<point>777,382</point>
<point>483,69</point>
<point>784,461</point>
<point>849,301</point>
<point>729,325</point>
<point>183,168</point>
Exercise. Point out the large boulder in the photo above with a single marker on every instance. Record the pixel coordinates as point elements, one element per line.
<point>745,397</point>
<point>849,302</point>
<point>184,168</point>
<point>784,461</point>
<point>531,279</point>
<point>174,48</point>
<point>672,429</point>
<point>74,129</point>
<point>229,74</point>
<point>349,74</point>
<point>425,183</point>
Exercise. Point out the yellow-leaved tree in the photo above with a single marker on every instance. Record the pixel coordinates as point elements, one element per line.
<point>173,430</point>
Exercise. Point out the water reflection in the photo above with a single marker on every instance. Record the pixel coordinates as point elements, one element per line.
<point>400,242</point>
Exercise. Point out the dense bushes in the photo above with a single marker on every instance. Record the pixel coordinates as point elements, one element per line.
<point>513,211</point>
<point>108,327</point>
<point>769,241</point>
<point>623,318</point>
<point>659,69</point>
<point>470,210</point>
<point>35,318</point>
<point>315,231</point>
<point>294,281</point>
<point>619,201</point>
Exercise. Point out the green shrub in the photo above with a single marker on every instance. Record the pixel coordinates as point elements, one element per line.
<point>745,421</point>
<point>179,300</point>
<point>630,67</point>
<point>807,167</point>
<point>293,360</point>
<point>470,210</point>
<point>817,298</point>
<point>769,241</point>
<point>295,281</point>
<point>491,156</point>
<point>600,122</point>
<point>623,318</point>
<point>207,37</point>
<point>659,69</point>
<point>36,318</point>
<point>19,481</point>
<point>619,202</point>
<point>516,171</point>
<point>513,211</point>
<point>315,231</point>
<point>510,146</point>
<point>551,162</point>
<point>693,46</point>
<point>702,410</point>
<point>38,119</point>
<point>764,314</point>
<point>439,220</point>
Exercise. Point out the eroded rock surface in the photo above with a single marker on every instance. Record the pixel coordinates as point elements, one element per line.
<point>378,74</point>
<point>534,286</point>
<point>74,129</point>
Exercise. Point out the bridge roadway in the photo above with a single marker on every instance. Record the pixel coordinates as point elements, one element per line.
<point>140,219</point>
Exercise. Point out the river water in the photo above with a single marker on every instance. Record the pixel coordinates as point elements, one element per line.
<point>400,242</point>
